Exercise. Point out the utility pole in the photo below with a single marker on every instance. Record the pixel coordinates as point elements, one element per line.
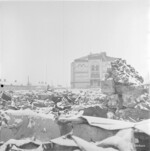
<point>28,81</point>
<point>46,74</point>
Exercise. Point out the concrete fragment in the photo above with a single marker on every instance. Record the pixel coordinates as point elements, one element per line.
<point>113,101</point>
<point>107,87</point>
<point>30,125</point>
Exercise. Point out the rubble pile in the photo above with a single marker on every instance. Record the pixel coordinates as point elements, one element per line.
<point>124,88</point>
<point>91,119</point>
<point>123,73</point>
<point>30,131</point>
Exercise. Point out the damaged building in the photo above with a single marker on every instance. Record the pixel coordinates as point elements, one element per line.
<point>89,71</point>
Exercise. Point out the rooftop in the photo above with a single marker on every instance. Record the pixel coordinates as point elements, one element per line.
<point>91,56</point>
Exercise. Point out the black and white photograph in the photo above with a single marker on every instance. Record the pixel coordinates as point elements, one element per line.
<point>74,75</point>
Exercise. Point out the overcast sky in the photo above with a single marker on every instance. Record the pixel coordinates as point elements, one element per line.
<point>43,38</point>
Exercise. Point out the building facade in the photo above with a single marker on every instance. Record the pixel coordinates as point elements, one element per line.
<point>89,71</point>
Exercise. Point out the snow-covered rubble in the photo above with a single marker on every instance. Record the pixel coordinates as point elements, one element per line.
<point>131,97</point>
<point>123,73</point>
<point>37,120</point>
<point>35,117</point>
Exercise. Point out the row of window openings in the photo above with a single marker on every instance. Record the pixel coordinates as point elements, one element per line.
<point>95,83</point>
<point>95,67</point>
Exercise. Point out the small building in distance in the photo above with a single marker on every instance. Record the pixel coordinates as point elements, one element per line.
<point>89,71</point>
